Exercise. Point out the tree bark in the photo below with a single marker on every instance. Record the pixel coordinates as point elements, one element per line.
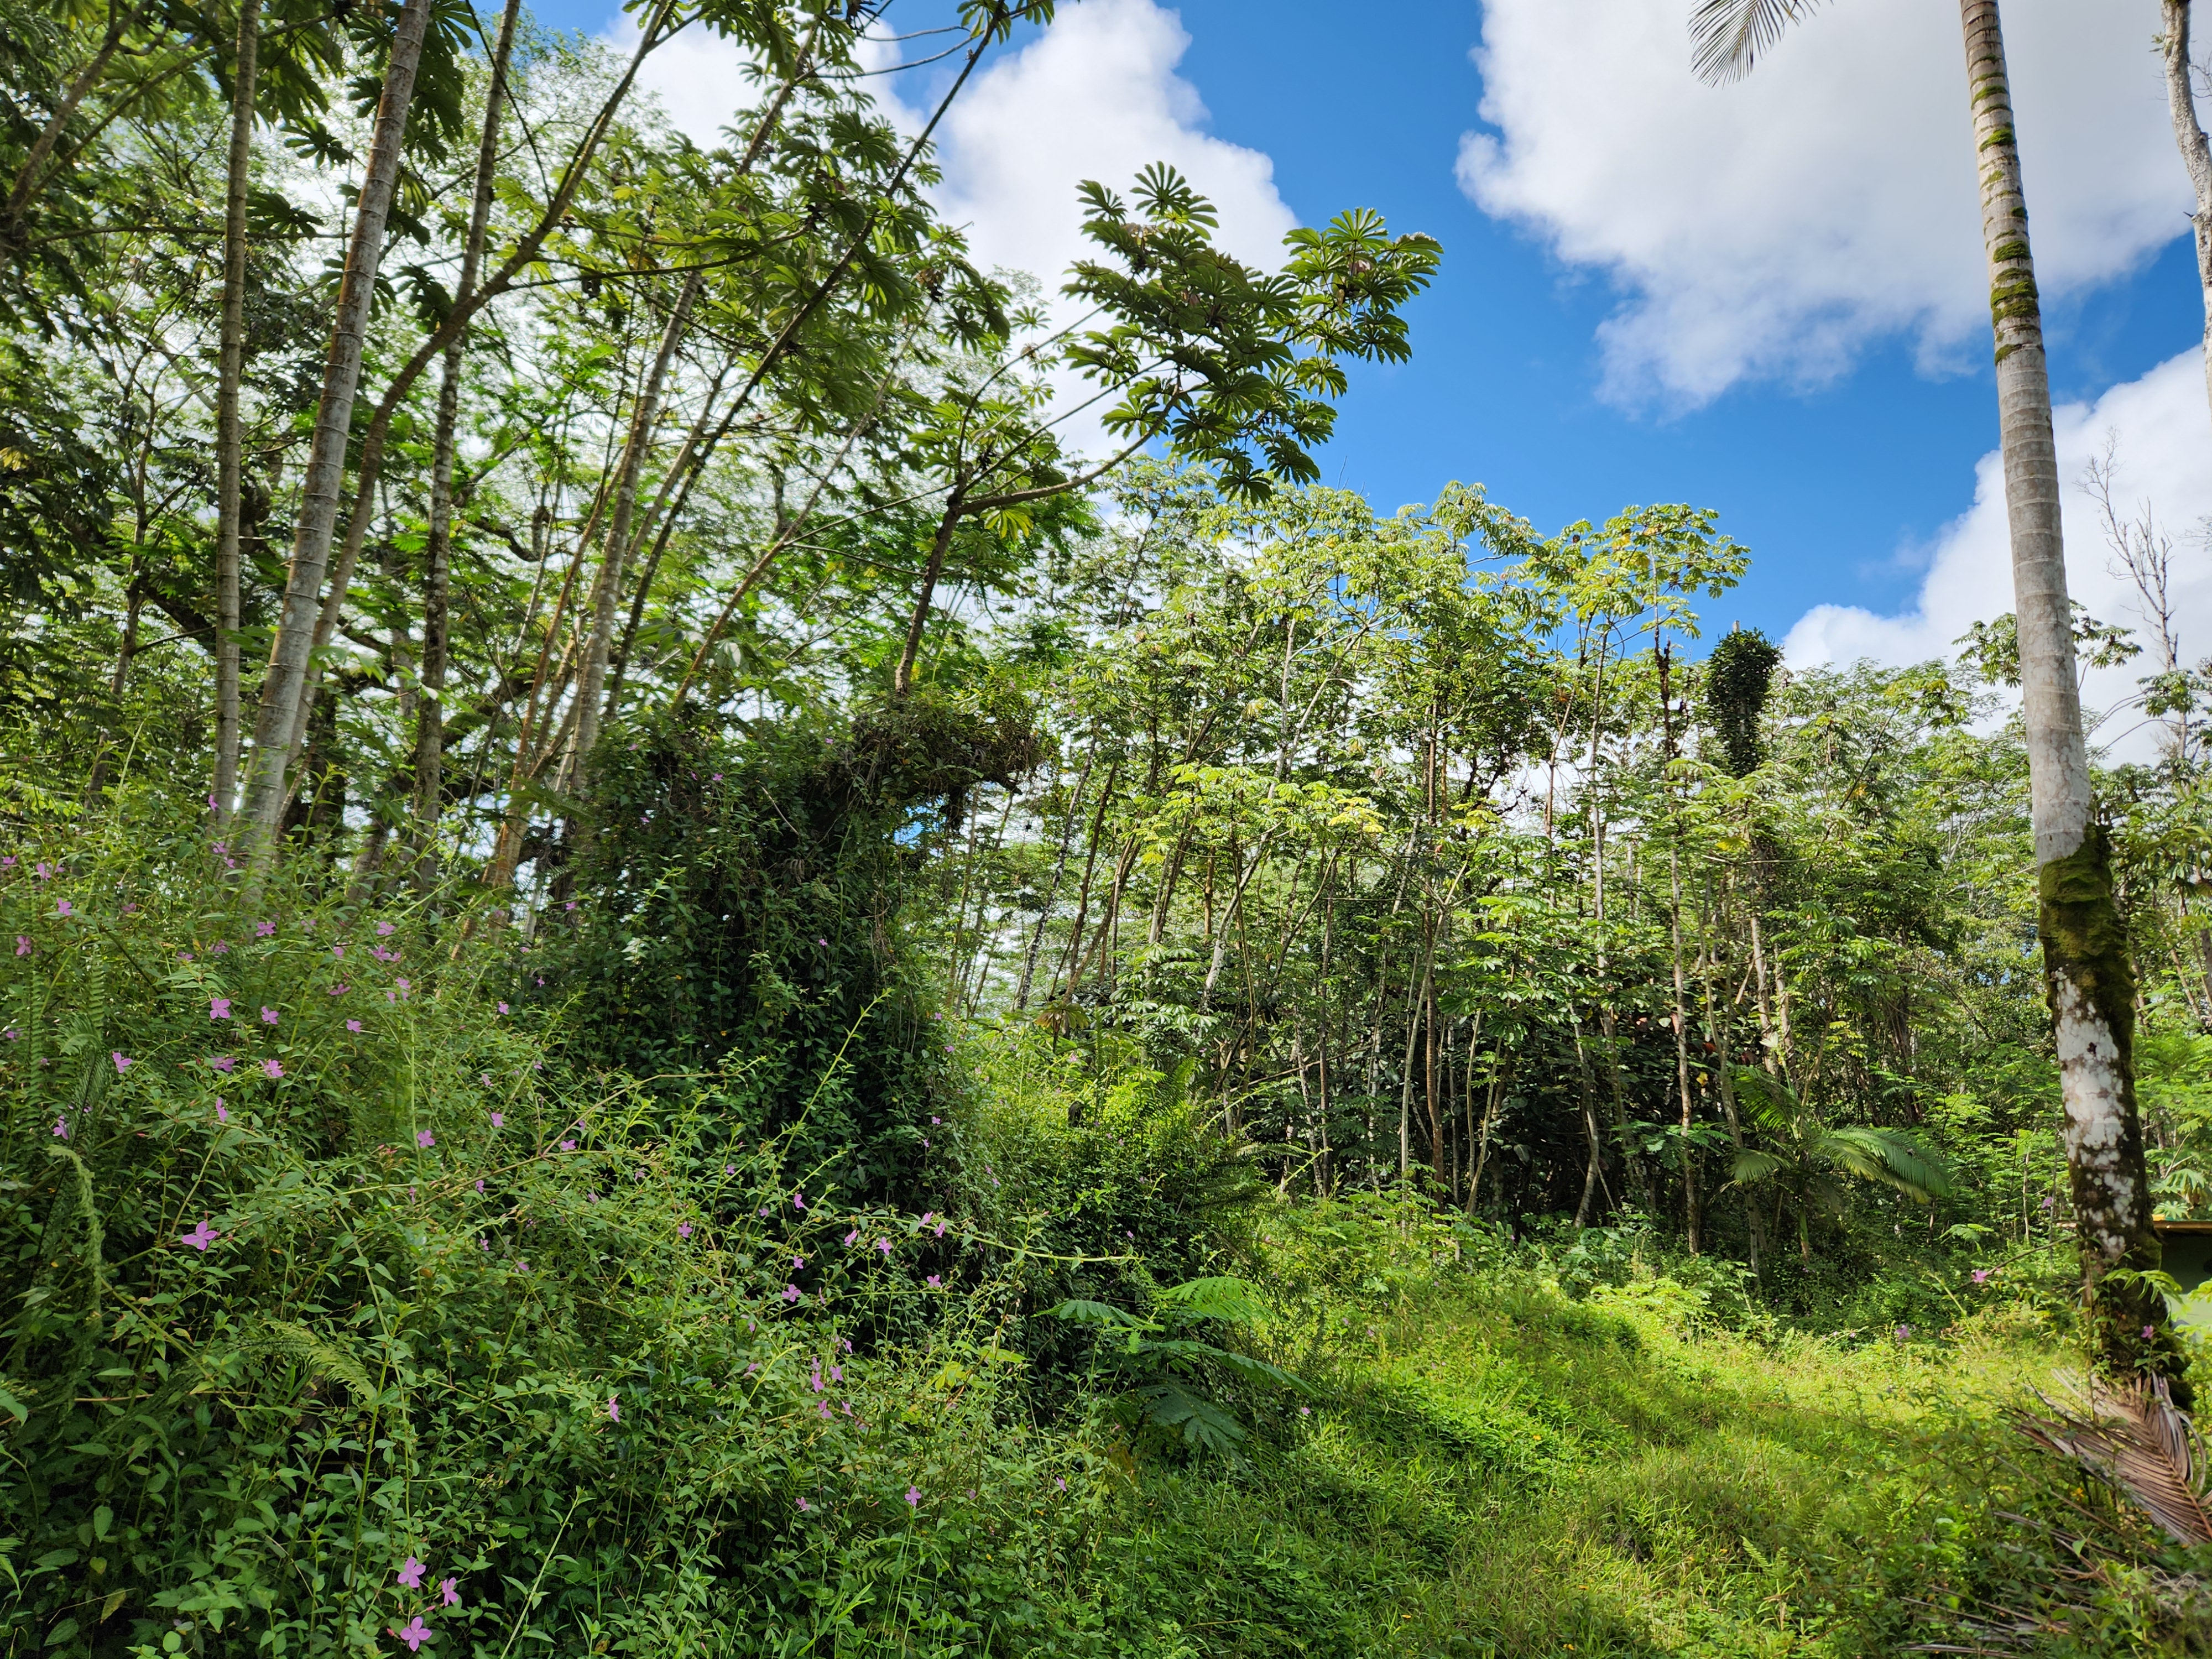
<point>1691,1216</point>
<point>437,555</point>
<point>283,692</point>
<point>2196,155</point>
<point>902,676</point>
<point>2087,976</point>
<point>229,430</point>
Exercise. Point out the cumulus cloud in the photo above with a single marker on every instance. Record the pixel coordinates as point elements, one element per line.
<point>2160,438</point>
<point>1770,228</point>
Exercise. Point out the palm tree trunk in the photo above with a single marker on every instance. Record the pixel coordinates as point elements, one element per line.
<point>2195,153</point>
<point>437,555</point>
<point>2087,975</point>
<point>229,430</point>
<point>285,685</point>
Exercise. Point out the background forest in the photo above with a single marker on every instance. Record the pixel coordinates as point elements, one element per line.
<point>729,938</point>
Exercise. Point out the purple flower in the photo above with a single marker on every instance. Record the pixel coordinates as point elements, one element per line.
<point>221,1112</point>
<point>914,1496</point>
<point>935,1283</point>
<point>570,905</point>
<point>222,1063</point>
<point>791,1293</point>
<point>851,1237</point>
<point>935,1120</point>
<point>502,1007</point>
<point>46,871</point>
<point>1981,1275</point>
<point>218,1007</point>
<point>449,1591</point>
<point>384,930</point>
<point>339,990</point>
<point>885,1245</point>
<point>262,929</point>
<point>411,1574</point>
<point>61,1128</point>
<point>683,1229</point>
<point>200,1236</point>
<point>424,1139</point>
<point>403,986</point>
<point>220,947</point>
<point>798,1201</point>
<point>273,1068</point>
<point>568,1146</point>
<point>2050,1200</point>
<point>268,1015</point>
<point>798,1261</point>
<point>614,1409</point>
<point>12,1035</point>
<point>1062,1482</point>
<point>62,907</point>
<point>1305,1411</point>
<point>123,1061</point>
<point>338,952</point>
<point>22,945</point>
<point>1904,1331</point>
<point>804,1506</point>
<point>940,1229</point>
<point>480,1188</point>
<point>499,1119</point>
<point>928,1216</point>
<point>415,1635</point>
<point>353,1025</point>
<point>2147,1333</point>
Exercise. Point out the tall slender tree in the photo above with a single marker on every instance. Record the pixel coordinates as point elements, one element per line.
<point>2088,978</point>
<point>2196,150</point>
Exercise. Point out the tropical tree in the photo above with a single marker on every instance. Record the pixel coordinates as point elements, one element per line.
<point>2089,979</point>
<point>1804,1156</point>
<point>2195,149</point>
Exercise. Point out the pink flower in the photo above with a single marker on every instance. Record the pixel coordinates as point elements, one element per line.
<point>885,1245</point>
<point>123,1061</point>
<point>415,1635</point>
<point>798,1261</point>
<point>940,1229</point>
<point>499,1119</point>
<point>273,1068</point>
<point>502,1007</point>
<point>61,1128</point>
<point>200,1236</point>
<point>1060,1481</point>
<point>804,1506</point>
<point>384,930</point>
<point>218,1007</point>
<point>614,1409</point>
<point>791,1293</point>
<point>353,1025</point>
<point>683,1229</point>
<point>22,945</point>
<point>914,1496</point>
<point>2148,1332</point>
<point>424,1138</point>
<point>339,990</point>
<point>798,1201</point>
<point>1981,1275</point>
<point>935,1283</point>
<point>223,1062</point>
<point>480,1188</point>
<point>448,1590</point>
<point>403,986</point>
<point>338,952</point>
<point>851,1238</point>
<point>568,1146</point>
<point>62,907</point>
<point>262,929</point>
<point>222,1111</point>
<point>411,1574</point>
<point>268,1016</point>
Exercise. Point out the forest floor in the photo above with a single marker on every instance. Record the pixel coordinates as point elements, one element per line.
<point>1505,1472</point>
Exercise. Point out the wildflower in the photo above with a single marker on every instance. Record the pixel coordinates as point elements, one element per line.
<point>837,1373</point>
<point>2147,1333</point>
<point>502,1007</point>
<point>914,1496</point>
<point>403,986</point>
<point>821,1410</point>
<point>262,929</point>
<point>885,1245</point>
<point>940,1229</point>
<point>484,1078</point>
<point>568,1146</point>
<point>791,1293</point>
<point>268,1016</point>
<point>62,907</point>
<point>798,1201</point>
<point>928,1217</point>
<point>823,943</point>
<point>415,1635</point>
<point>353,1025</point>
<point>123,1061</point>
<point>46,871</point>
<point>591,1198</point>
<point>1305,1411</point>
<point>411,1574</point>
<point>798,1261</point>
<point>12,1035</point>
<point>200,1236</point>
<point>764,1211</point>
<point>449,1592</point>
<point>223,1062</point>
<point>218,1007</point>
<point>221,947</point>
<point>338,952</point>
<point>1981,1275</point>
<point>570,905</point>
<point>935,1283</point>
<point>936,1119</point>
<point>851,1237</point>
<point>683,1229</point>
<point>499,1119</point>
<point>22,945</point>
<point>339,990</point>
<point>479,1183</point>
<point>1903,1331</point>
<point>61,1128</point>
<point>804,1507</point>
<point>1062,1482</point>
<point>424,1139</point>
<point>614,1409</point>
<point>2050,1200</point>
<point>384,930</point>
<point>729,1169</point>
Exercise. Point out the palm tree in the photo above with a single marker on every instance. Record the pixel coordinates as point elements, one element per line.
<point>2087,975</point>
<point>2195,149</point>
<point>1804,1158</point>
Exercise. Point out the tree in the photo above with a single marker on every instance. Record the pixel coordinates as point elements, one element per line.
<point>2196,150</point>
<point>2089,979</point>
<point>1803,1156</point>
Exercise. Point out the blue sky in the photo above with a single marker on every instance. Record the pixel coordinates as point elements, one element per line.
<point>1838,431</point>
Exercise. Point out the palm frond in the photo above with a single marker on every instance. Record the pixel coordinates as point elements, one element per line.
<point>1767,1100</point>
<point>1890,1157</point>
<point>1728,36</point>
<point>2131,1436</point>
<point>1752,1168</point>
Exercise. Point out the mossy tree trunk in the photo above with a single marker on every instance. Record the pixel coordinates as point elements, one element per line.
<point>2087,978</point>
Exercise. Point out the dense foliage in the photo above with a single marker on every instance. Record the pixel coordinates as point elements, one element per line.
<point>862,1022</point>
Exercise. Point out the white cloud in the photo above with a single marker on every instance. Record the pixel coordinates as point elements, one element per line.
<point>1770,228</point>
<point>1095,96</point>
<point>2162,439</point>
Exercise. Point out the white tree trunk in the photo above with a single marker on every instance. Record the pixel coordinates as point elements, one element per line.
<point>2088,977</point>
<point>229,430</point>
<point>284,690</point>
<point>2195,153</point>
